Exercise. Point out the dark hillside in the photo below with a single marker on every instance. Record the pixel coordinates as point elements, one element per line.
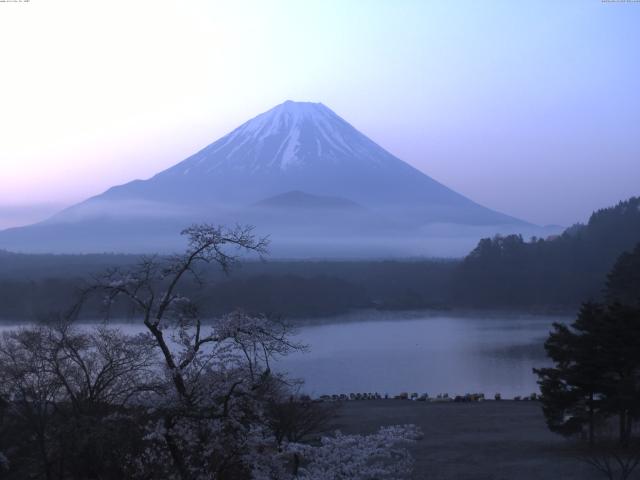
<point>561,271</point>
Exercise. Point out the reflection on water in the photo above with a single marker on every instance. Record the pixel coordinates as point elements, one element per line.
<point>391,352</point>
<point>423,353</point>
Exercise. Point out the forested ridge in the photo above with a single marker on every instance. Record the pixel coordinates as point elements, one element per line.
<point>560,271</point>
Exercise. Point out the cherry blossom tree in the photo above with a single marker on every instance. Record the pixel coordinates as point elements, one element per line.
<point>361,457</point>
<point>200,398</point>
<point>68,398</point>
<point>217,375</point>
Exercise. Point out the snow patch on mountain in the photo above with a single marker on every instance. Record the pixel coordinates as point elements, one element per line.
<point>290,135</point>
<point>297,171</point>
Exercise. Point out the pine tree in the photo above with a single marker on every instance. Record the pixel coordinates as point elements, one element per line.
<point>623,282</point>
<point>572,390</point>
<point>597,371</point>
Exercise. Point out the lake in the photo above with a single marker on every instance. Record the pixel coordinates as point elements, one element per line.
<point>424,352</point>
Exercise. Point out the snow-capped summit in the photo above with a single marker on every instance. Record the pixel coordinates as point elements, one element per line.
<point>306,147</point>
<point>290,135</point>
<point>298,147</point>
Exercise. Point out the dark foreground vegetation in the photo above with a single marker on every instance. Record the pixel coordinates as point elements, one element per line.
<point>181,401</point>
<point>591,394</point>
<point>554,274</point>
<point>561,271</point>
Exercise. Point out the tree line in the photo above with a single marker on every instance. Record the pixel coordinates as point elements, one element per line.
<point>504,272</point>
<point>561,271</point>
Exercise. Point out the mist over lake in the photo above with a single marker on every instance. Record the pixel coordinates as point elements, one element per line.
<point>424,352</point>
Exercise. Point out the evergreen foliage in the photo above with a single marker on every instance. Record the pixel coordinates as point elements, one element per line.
<point>596,372</point>
<point>557,272</point>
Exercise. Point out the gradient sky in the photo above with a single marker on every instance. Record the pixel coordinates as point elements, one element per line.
<point>530,108</point>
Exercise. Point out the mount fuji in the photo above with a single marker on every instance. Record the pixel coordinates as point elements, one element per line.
<point>299,172</point>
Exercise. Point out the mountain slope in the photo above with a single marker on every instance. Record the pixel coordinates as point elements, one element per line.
<point>303,146</point>
<point>302,200</point>
<point>296,146</point>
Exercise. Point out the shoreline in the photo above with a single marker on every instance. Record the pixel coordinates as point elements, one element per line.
<point>367,314</point>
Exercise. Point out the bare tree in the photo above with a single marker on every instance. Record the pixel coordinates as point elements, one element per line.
<point>62,387</point>
<point>186,400</point>
<point>294,418</point>
<point>219,372</point>
<point>604,452</point>
<point>613,461</point>
<point>152,287</point>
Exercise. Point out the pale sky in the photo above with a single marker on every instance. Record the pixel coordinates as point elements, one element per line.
<point>528,107</point>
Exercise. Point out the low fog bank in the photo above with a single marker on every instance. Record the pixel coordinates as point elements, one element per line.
<point>431,241</point>
<point>300,226</point>
<point>283,245</point>
<point>296,235</point>
<point>550,273</point>
<point>12,216</point>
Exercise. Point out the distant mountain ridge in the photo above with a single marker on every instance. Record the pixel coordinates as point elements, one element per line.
<point>294,147</point>
<point>298,199</point>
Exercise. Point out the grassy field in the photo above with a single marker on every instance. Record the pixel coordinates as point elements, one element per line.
<point>481,441</point>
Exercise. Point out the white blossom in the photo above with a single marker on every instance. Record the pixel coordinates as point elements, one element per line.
<point>358,457</point>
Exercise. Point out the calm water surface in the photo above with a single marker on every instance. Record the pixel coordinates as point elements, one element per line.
<point>418,352</point>
<point>421,352</point>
